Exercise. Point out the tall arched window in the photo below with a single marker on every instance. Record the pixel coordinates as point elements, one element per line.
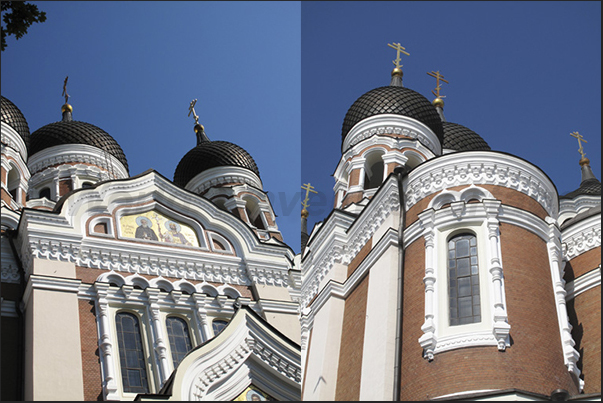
<point>180,340</point>
<point>45,192</point>
<point>13,181</point>
<point>254,212</point>
<point>463,280</point>
<point>373,170</point>
<point>131,353</point>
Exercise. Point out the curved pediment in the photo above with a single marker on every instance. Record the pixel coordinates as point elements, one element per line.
<point>247,355</point>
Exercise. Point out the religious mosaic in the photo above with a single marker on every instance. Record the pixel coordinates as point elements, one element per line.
<point>154,226</point>
<point>252,394</point>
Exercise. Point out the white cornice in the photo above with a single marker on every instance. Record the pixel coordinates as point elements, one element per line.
<point>582,237</point>
<point>13,140</point>
<point>392,124</point>
<point>481,168</point>
<point>220,175</point>
<point>73,153</point>
<point>583,283</point>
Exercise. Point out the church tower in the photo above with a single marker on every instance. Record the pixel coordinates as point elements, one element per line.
<point>439,273</point>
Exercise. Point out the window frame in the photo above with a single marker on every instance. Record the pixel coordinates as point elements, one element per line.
<point>191,339</point>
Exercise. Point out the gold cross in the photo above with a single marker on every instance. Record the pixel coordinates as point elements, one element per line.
<point>308,188</point>
<point>580,138</point>
<point>438,77</point>
<point>65,89</point>
<point>399,49</point>
<point>191,109</point>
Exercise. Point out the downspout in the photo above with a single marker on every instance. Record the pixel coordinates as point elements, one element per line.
<point>400,172</point>
<point>11,235</point>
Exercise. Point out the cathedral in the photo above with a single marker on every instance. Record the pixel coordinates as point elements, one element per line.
<point>119,287</point>
<point>447,270</point>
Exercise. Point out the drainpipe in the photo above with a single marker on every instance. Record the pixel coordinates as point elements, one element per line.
<point>400,172</point>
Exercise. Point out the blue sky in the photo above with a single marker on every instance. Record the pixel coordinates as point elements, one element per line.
<point>523,75</point>
<point>134,67</point>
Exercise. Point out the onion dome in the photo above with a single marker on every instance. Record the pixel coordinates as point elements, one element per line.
<point>12,116</point>
<point>211,154</point>
<point>460,138</point>
<point>393,99</point>
<point>589,185</point>
<point>75,132</point>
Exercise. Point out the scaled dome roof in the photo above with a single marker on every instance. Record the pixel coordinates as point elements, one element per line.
<point>393,100</point>
<point>12,116</point>
<point>461,138</point>
<point>210,154</point>
<point>75,132</point>
<point>591,187</point>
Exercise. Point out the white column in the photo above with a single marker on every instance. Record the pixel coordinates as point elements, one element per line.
<point>202,316</point>
<point>428,340</point>
<point>104,343</point>
<point>159,339</point>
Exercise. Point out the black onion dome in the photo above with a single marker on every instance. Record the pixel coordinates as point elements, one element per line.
<point>211,154</point>
<point>460,138</point>
<point>393,100</point>
<point>74,132</point>
<point>12,116</point>
<point>590,187</point>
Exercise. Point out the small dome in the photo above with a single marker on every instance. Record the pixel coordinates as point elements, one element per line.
<point>590,187</point>
<point>460,138</point>
<point>12,116</point>
<point>211,154</point>
<point>74,132</point>
<point>393,100</point>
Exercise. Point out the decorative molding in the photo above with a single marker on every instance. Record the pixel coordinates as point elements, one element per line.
<point>220,175</point>
<point>480,168</point>
<point>13,140</point>
<point>581,237</point>
<point>74,153</point>
<point>583,283</point>
<point>392,124</point>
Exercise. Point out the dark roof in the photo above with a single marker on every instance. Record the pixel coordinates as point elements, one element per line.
<point>581,216</point>
<point>588,187</point>
<point>74,132</point>
<point>394,100</point>
<point>460,138</point>
<point>12,116</point>
<point>211,154</point>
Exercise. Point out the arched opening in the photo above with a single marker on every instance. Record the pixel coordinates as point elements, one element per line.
<point>254,213</point>
<point>373,170</point>
<point>220,203</point>
<point>45,192</point>
<point>87,185</point>
<point>463,280</point>
<point>13,181</point>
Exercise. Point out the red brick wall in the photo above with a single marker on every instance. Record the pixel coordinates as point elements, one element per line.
<point>93,389</point>
<point>364,251</point>
<point>65,186</point>
<point>533,362</point>
<point>585,316</point>
<point>582,264</point>
<point>352,340</point>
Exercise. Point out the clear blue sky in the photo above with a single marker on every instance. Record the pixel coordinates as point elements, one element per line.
<point>523,75</point>
<point>134,67</point>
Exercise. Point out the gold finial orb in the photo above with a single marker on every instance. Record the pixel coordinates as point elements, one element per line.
<point>199,128</point>
<point>438,102</point>
<point>397,71</point>
<point>304,213</point>
<point>66,108</point>
<point>584,161</point>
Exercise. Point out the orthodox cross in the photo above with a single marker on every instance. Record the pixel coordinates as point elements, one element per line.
<point>399,48</point>
<point>191,109</point>
<point>579,137</point>
<point>65,89</point>
<point>438,77</point>
<point>308,188</point>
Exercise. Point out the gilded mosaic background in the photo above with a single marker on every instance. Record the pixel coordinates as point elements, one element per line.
<point>154,226</point>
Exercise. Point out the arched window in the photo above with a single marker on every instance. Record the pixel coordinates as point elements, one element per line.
<point>218,325</point>
<point>463,280</point>
<point>131,354</point>
<point>13,181</point>
<point>45,192</point>
<point>373,170</point>
<point>254,212</point>
<point>87,185</point>
<point>180,340</point>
